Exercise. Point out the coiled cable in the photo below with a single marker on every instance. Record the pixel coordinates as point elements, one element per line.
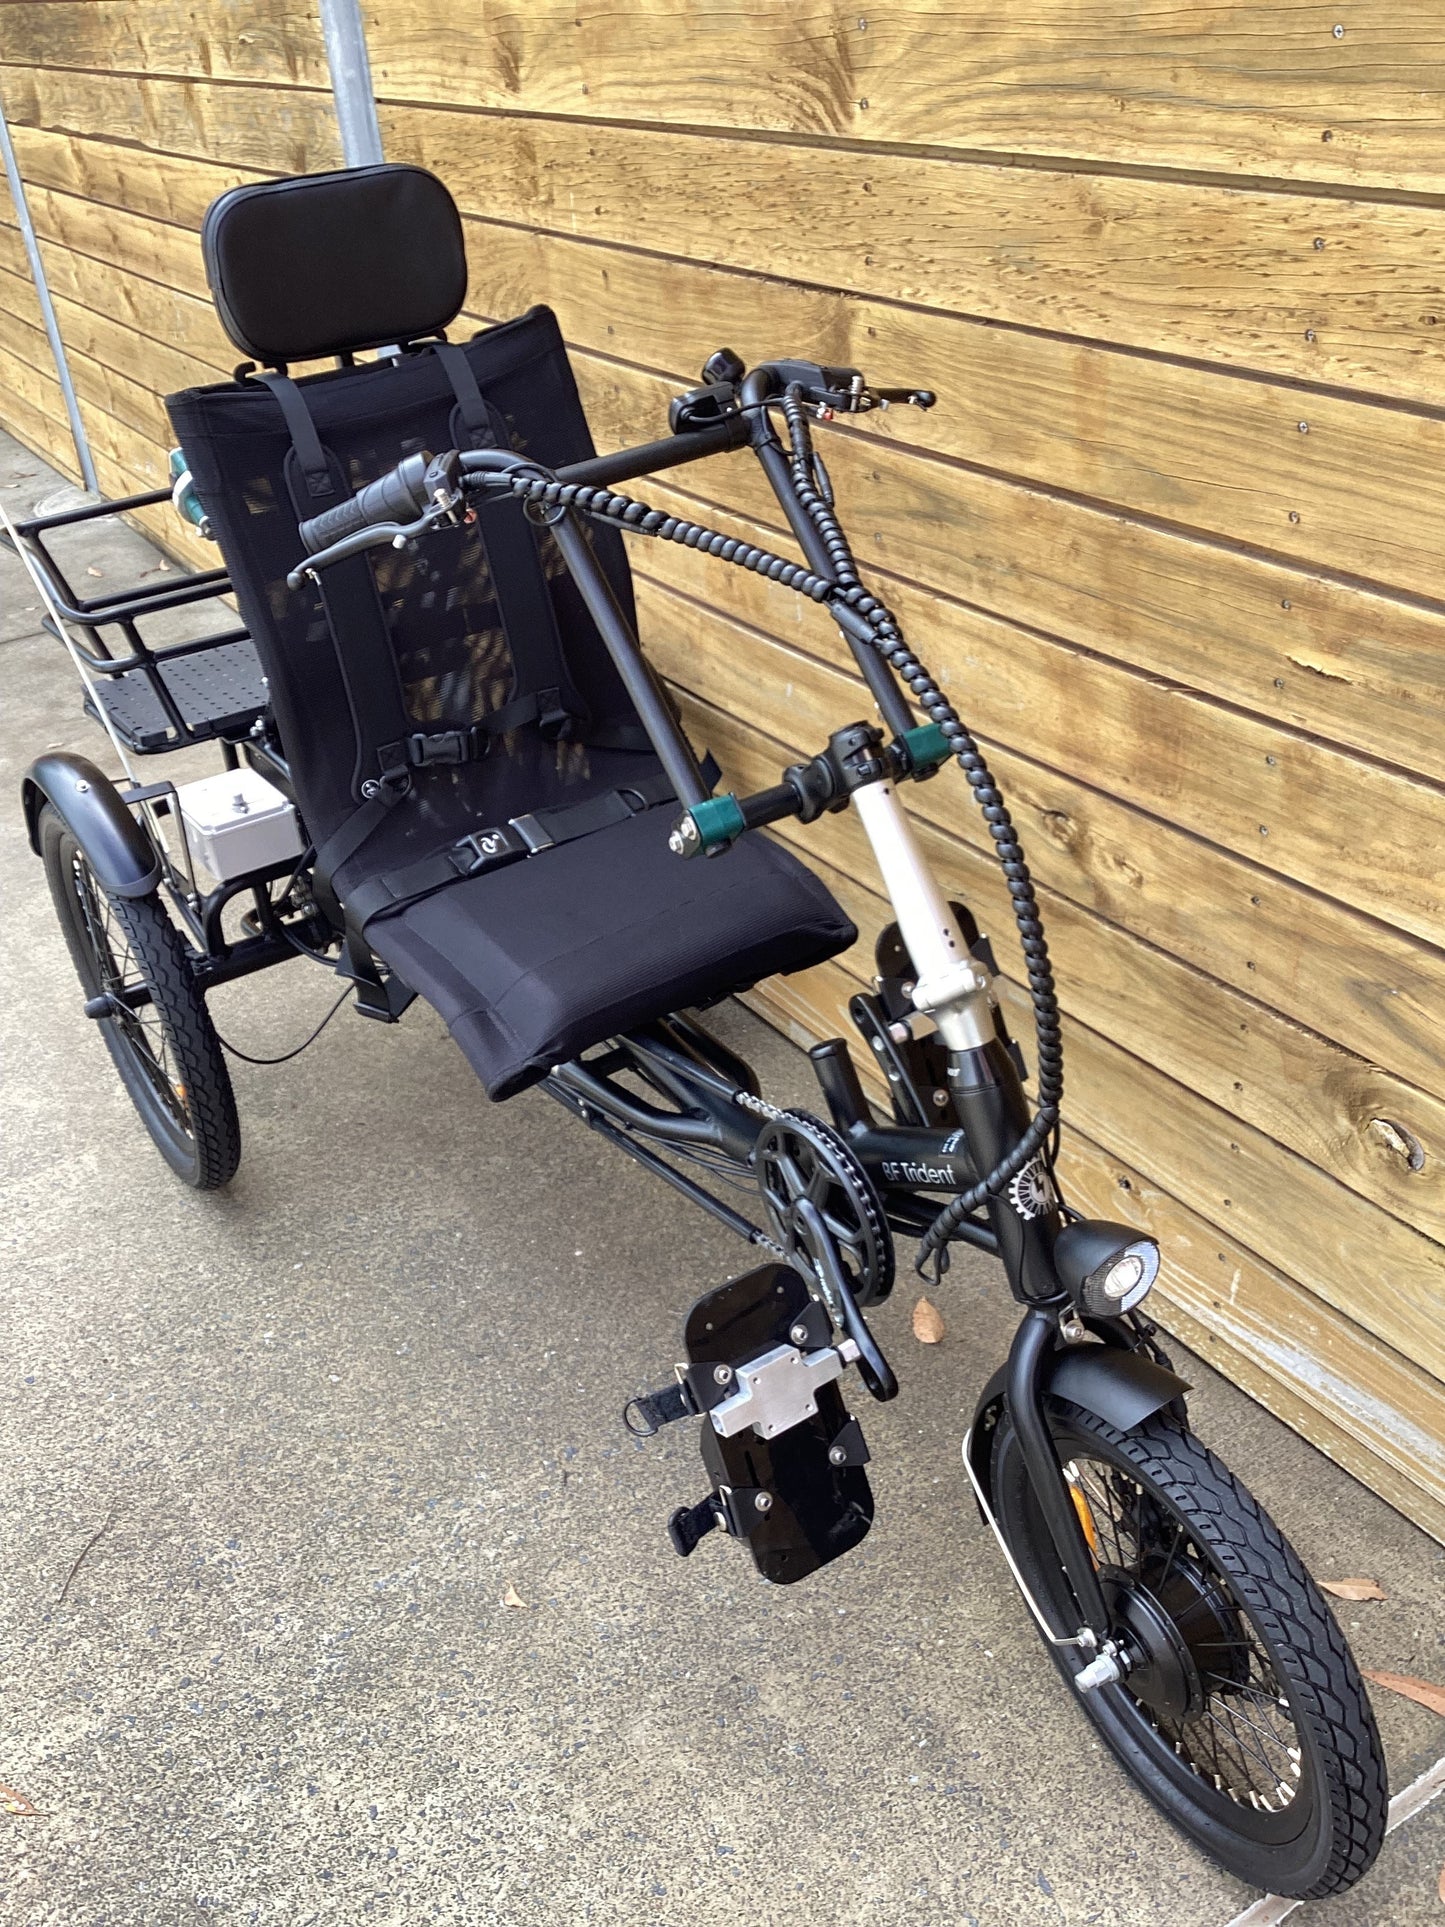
<point>605,505</point>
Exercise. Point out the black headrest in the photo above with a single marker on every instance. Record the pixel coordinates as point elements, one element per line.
<point>325,263</point>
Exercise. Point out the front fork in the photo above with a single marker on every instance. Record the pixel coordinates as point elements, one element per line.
<point>953,987</point>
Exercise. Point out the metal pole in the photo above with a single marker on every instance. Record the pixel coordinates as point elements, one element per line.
<point>47,308</point>
<point>351,82</point>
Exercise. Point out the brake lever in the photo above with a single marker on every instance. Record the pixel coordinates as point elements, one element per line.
<point>379,535</point>
<point>862,400</point>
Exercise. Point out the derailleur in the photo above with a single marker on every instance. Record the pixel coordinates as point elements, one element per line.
<point>782,1452</point>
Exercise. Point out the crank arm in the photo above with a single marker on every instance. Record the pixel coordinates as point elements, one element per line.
<point>877,1374</point>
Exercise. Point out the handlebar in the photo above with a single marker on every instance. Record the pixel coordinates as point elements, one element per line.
<point>426,489</point>
<point>397,496</point>
<point>423,489</point>
<point>840,391</point>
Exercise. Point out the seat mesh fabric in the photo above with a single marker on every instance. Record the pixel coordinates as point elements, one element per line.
<point>533,963</point>
<point>437,595</point>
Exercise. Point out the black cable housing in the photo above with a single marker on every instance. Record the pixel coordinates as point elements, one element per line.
<point>604,505</point>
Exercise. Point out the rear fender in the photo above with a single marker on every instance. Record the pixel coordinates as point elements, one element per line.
<point>116,846</point>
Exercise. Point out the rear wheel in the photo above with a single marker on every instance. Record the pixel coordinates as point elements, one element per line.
<point>1242,1714</point>
<point>158,1030</point>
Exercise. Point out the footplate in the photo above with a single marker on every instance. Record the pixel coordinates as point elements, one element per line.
<point>783,1454</point>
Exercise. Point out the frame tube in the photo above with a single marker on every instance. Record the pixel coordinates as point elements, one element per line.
<point>346,56</point>
<point>47,309</point>
<point>673,749</point>
<point>951,985</point>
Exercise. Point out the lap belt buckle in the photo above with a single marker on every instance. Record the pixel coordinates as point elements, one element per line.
<point>488,850</point>
<point>532,834</point>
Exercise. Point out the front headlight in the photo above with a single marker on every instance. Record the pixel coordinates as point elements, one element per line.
<point>1107,1269</point>
<point>1119,1285</point>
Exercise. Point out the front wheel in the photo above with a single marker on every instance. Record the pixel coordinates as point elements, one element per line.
<point>1242,1715</point>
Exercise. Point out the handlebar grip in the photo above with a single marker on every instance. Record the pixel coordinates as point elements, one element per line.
<point>398,496</point>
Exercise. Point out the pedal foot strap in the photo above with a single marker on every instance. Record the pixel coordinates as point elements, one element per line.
<point>645,1415</point>
<point>690,1523</point>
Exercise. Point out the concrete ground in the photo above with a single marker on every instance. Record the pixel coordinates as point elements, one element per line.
<point>334,1590</point>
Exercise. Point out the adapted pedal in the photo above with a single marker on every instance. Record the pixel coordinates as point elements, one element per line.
<point>783,1454</point>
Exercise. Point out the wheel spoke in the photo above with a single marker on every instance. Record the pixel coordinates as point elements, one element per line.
<point>1248,1759</point>
<point>118,971</point>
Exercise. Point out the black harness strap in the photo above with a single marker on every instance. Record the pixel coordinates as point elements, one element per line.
<point>529,620</point>
<point>473,415</point>
<point>364,653</point>
<point>491,849</point>
<point>389,746</point>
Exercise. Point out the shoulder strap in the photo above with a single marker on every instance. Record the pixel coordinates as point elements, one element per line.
<point>315,479</point>
<point>529,621</point>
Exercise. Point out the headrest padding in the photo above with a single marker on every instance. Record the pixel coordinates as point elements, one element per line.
<point>322,264</point>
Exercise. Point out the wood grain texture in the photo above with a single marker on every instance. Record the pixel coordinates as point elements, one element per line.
<point>1190,446</point>
<point>150,311</point>
<point>272,130</point>
<point>1251,1061</point>
<point>1237,88</point>
<point>1228,275</point>
<point>267,41</point>
<point>166,187</point>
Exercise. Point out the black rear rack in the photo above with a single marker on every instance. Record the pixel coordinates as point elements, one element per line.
<point>205,689</point>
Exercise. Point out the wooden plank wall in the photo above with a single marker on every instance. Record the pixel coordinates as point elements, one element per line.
<point>1172,533</point>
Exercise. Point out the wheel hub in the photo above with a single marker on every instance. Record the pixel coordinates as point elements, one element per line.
<point>1177,1629</point>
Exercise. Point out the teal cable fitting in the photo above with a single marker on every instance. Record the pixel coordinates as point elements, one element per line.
<point>927,747</point>
<point>183,494</point>
<point>717,822</point>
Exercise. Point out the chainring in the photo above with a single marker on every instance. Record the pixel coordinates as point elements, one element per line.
<point>798,1156</point>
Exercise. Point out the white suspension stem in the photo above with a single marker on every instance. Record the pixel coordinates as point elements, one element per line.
<point>952,986</point>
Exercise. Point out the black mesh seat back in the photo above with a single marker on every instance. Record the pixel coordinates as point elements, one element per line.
<point>438,595</point>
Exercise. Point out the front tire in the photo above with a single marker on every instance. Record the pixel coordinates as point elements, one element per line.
<point>1244,1716</point>
<point>162,1040</point>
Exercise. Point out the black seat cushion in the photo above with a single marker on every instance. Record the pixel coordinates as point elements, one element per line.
<point>533,963</point>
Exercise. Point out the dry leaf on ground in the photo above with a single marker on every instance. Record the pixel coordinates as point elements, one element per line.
<point>1352,1588</point>
<point>1424,1692</point>
<point>1442,1883</point>
<point>927,1322</point>
<point>16,1803</point>
<point>511,1598</point>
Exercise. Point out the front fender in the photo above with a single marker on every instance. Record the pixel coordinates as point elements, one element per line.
<point>116,846</point>
<point>1119,1386</point>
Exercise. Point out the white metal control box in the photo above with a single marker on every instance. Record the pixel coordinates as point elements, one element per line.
<point>237,822</point>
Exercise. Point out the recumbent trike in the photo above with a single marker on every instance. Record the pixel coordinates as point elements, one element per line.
<point>450,772</point>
